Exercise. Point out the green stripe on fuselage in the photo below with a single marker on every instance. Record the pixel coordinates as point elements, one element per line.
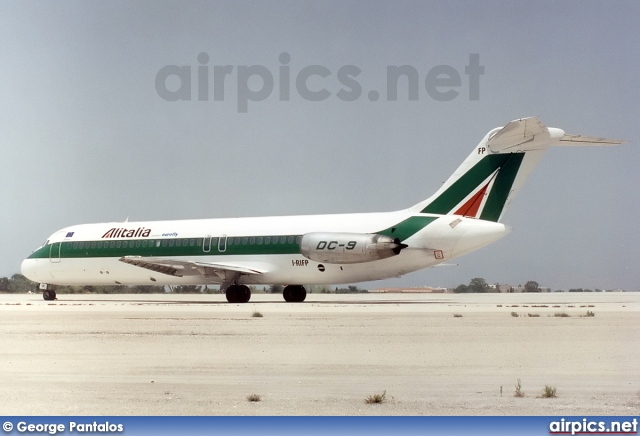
<point>167,248</point>
<point>408,227</point>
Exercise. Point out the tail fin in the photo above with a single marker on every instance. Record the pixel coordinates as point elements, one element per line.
<point>488,180</point>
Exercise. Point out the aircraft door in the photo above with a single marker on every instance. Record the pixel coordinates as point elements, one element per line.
<point>206,244</point>
<point>54,252</point>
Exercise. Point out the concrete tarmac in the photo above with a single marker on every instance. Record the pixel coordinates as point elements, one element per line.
<point>433,354</point>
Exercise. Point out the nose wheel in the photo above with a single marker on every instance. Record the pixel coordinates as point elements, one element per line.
<point>49,295</point>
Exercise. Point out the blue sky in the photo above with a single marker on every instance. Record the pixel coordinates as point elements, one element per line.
<point>87,138</point>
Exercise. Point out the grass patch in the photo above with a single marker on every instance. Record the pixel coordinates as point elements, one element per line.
<point>514,314</point>
<point>254,398</point>
<point>533,315</point>
<point>589,314</point>
<point>457,315</point>
<point>561,315</point>
<point>518,393</point>
<point>256,314</point>
<point>556,305</point>
<point>376,398</point>
<point>549,392</point>
<point>498,305</point>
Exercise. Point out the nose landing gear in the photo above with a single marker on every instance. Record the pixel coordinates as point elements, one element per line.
<point>48,291</point>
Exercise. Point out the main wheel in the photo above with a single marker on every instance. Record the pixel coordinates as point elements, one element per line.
<point>294,293</point>
<point>238,294</point>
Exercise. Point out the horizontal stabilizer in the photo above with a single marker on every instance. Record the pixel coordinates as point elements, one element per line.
<point>570,140</point>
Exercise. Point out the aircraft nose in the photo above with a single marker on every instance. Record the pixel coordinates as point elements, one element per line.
<point>30,270</point>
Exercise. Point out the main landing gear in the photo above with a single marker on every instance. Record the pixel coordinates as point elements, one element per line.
<point>294,293</point>
<point>238,294</point>
<point>242,294</point>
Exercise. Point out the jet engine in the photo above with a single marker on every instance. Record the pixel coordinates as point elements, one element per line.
<point>349,247</point>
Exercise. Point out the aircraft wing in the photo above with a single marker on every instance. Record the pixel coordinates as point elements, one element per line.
<point>180,268</point>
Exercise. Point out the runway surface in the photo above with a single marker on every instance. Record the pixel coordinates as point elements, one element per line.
<point>197,355</point>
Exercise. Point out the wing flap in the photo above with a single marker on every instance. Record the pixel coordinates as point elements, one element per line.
<point>180,268</point>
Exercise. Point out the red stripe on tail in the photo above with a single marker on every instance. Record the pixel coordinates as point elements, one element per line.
<point>470,208</point>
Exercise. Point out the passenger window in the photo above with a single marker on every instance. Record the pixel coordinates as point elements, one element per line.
<point>171,242</point>
<point>192,242</point>
<point>144,244</point>
<point>283,239</point>
<point>112,244</point>
<point>119,244</point>
<point>93,245</point>
<point>178,243</point>
<point>164,242</point>
<point>125,244</point>
<point>245,240</point>
<point>298,239</point>
<point>75,245</point>
<point>267,240</point>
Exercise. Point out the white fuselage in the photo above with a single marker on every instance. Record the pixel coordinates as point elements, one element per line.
<point>436,242</point>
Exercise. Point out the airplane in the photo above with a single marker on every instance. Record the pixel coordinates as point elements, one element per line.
<point>462,216</point>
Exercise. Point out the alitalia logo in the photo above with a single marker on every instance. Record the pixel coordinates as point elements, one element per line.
<point>140,232</point>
